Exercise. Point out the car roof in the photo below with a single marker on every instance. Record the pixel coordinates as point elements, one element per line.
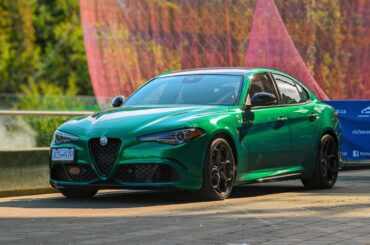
<point>219,71</point>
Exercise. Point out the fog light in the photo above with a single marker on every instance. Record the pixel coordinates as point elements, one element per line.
<point>74,170</point>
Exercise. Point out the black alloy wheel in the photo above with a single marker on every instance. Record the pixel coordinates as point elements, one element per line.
<point>219,172</point>
<point>327,165</point>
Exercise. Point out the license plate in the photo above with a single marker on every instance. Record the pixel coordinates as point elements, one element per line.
<point>63,154</point>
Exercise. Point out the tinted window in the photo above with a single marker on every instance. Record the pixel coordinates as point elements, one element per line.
<point>303,93</point>
<point>288,90</point>
<point>261,83</point>
<point>189,89</point>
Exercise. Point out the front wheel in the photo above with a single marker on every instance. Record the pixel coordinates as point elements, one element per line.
<point>79,193</point>
<point>326,167</point>
<point>219,171</point>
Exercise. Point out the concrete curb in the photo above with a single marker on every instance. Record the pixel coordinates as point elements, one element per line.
<point>27,192</point>
<point>24,172</point>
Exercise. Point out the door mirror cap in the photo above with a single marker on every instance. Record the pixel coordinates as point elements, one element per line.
<point>118,101</point>
<point>263,99</point>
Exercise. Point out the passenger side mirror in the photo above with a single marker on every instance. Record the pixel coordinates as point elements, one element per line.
<point>263,99</point>
<point>118,101</point>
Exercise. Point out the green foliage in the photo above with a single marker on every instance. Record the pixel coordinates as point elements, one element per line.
<point>19,56</point>
<point>42,40</point>
<point>44,96</point>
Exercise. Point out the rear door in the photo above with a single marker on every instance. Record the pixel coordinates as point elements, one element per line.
<point>302,125</point>
<point>267,133</point>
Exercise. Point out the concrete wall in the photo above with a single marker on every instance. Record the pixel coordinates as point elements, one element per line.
<point>24,172</point>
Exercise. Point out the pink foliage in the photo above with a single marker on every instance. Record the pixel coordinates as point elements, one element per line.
<point>270,46</point>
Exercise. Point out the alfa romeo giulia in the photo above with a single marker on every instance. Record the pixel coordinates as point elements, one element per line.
<point>203,130</point>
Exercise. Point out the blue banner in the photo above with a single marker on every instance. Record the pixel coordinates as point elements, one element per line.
<point>354,117</point>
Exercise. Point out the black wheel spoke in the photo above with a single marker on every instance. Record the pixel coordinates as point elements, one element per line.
<point>216,179</point>
<point>332,163</point>
<point>216,156</point>
<point>224,153</point>
<point>324,167</point>
<point>225,165</point>
<point>223,177</point>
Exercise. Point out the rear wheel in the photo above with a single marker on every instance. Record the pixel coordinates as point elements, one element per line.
<point>79,193</point>
<point>219,171</point>
<point>326,167</point>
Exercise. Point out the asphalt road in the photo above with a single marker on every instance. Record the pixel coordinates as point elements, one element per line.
<point>270,213</point>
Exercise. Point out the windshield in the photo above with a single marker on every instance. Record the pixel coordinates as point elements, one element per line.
<point>189,89</point>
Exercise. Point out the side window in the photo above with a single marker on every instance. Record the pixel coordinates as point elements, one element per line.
<point>304,95</point>
<point>288,90</point>
<point>261,83</point>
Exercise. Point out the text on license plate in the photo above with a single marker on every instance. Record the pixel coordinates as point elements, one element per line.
<point>62,154</point>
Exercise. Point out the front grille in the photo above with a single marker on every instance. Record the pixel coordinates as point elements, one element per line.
<point>86,174</point>
<point>146,173</point>
<point>104,156</point>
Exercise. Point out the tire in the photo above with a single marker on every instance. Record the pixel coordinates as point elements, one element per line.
<point>326,166</point>
<point>78,193</point>
<point>219,171</point>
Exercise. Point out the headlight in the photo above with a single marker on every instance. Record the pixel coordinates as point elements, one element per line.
<point>174,137</point>
<point>61,137</point>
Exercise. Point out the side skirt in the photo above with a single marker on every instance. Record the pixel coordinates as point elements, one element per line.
<point>279,177</point>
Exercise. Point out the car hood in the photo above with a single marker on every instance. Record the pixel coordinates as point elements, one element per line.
<point>133,120</point>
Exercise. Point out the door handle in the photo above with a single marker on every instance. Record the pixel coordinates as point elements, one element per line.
<point>282,120</point>
<point>313,117</point>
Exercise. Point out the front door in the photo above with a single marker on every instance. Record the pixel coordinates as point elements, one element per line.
<point>268,139</point>
<point>267,132</point>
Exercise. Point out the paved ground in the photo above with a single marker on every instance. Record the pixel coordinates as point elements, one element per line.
<point>273,213</point>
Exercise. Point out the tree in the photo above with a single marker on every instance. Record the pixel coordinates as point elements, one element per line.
<point>19,56</point>
<point>42,40</point>
<point>60,36</point>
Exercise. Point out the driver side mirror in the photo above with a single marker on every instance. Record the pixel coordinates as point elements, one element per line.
<point>263,99</point>
<point>118,101</point>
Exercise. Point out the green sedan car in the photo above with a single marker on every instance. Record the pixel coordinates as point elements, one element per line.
<point>203,130</point>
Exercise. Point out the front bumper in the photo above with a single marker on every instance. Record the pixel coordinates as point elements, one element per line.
<point>60,185</point>
<point>185,161</point>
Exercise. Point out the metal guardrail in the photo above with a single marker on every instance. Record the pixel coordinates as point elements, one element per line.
<point>44,113</point>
